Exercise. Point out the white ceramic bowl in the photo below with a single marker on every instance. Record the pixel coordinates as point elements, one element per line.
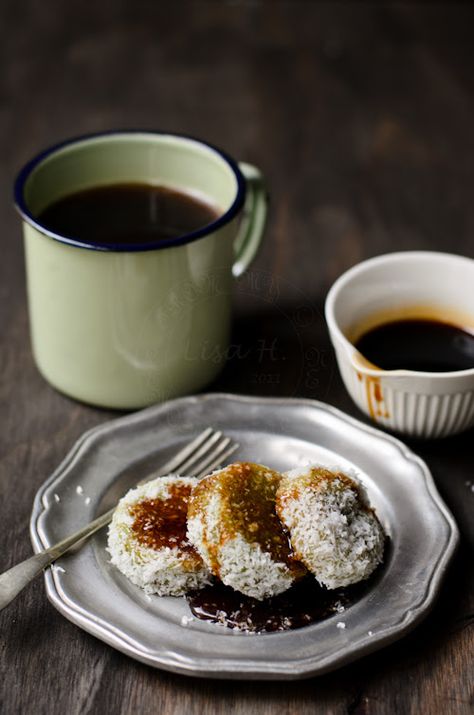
<point>421,284</point>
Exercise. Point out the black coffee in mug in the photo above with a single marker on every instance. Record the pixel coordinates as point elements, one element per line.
<point>128,213</point>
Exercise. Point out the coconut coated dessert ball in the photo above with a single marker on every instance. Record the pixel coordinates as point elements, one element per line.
<point>233,525</point>
<point>332,529</point>
<point>147,538</point>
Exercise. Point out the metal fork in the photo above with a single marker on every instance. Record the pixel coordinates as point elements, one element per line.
<point>203,454</point>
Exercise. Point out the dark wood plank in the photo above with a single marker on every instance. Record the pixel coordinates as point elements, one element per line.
<point>360,115</point>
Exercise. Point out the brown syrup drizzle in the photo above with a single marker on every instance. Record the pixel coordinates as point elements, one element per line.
<point>304,603</point>
<point>160,523</point>
<point>248,509</point>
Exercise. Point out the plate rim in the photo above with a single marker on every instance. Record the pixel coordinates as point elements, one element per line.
<point>304,668</point>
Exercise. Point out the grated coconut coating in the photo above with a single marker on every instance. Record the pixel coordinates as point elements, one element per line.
<point>167,570</point>
<point>332,529</point>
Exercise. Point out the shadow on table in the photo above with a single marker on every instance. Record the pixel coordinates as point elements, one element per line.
<point>281,351</point>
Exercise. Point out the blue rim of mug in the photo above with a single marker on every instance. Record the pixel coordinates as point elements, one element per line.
<point>227,216</point>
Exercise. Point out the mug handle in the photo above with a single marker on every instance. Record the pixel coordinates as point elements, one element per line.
<point>253,221</point>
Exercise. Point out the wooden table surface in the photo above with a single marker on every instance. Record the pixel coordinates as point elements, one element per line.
<point>360,116</point>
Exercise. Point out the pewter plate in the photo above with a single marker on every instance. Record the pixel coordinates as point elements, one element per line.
<point>281,433</point>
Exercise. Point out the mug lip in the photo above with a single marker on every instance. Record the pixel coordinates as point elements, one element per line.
<point>26,171</point>
<point>358,268</point>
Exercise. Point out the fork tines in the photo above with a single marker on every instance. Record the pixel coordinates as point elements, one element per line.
<point>206,452</point>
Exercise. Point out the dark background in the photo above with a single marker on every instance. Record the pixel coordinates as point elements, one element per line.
<point>361,117</point>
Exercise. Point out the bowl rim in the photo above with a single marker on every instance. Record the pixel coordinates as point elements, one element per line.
<point>348,275</point>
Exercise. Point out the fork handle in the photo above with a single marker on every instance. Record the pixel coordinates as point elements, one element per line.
<point>15,579</point>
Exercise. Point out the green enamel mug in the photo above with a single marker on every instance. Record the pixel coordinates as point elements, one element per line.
<point>125,326</point>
